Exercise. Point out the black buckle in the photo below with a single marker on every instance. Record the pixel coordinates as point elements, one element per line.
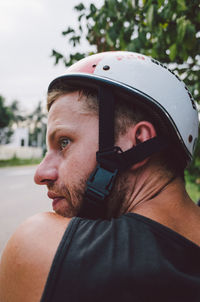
<point>100,183</point>
<point>99,186</point>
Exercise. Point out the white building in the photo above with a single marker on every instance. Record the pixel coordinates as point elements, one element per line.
<point>19,137</point>
<point>18,146</point>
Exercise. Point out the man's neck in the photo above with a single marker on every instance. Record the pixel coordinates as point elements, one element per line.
<point>148,184</point>
<point>166,201</point>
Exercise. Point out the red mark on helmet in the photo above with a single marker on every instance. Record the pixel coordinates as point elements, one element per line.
<point>87,65</point>
<point>130,56</point>
<point>140,57</point>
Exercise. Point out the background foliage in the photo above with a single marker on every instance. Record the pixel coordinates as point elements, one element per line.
<point>5,113</point>
<point>169,31</point>
<point>35,121</point>
<point>6,117</point>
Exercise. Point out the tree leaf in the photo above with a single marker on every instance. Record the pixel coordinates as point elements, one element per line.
<point>79,7</point>
<point>93,8</point>
<point>80,17</point>
<point>181,5</point>
<point>150,16</point>
<point>68,31</point>
<point>57,56</point>
<point>160,3</point>
<point>181,28</point>
<point>173,50</point>
<point>109,40</point>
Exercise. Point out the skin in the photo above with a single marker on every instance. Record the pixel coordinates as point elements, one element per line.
<point>72,139</point>
<point>66,169</point>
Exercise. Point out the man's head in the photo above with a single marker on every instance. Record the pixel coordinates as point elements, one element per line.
<point>73,135</point>
<point>72,140</point>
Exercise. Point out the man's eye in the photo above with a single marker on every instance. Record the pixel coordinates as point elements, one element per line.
<point>64,142</point>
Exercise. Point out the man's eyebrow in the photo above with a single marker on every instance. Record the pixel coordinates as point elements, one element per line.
<point>51,135</point>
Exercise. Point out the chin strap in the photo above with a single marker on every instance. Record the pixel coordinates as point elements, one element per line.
<point>111,159</point>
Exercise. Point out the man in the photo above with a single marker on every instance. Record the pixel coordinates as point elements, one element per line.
<point>121,130</point>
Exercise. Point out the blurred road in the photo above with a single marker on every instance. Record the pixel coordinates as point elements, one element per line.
<point>20,198</point>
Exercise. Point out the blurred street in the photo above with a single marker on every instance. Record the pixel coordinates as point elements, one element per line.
<point>20,199</point>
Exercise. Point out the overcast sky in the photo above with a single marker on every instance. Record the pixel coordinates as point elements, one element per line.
<point>29,30</point>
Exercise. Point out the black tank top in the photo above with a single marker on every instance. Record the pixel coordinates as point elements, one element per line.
<point>128,259</point>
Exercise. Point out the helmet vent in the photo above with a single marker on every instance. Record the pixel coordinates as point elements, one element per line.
<point>106,67</point>
<point>190,138</point>
<point>94,65</point>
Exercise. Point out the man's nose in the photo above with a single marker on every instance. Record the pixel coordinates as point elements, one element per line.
<point>46,171</point>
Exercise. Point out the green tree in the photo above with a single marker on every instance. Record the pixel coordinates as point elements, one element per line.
<point>16,115</point>
<point>5,121</point>
<point>37,125</point>
<point>5,113</point>
<point>167,30</point>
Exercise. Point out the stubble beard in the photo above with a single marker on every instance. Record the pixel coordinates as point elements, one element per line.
<point>74,197</point>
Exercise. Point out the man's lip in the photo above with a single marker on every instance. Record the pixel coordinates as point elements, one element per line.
<point>56,202</point>
<point>52,195</point>
<point>56,199</point>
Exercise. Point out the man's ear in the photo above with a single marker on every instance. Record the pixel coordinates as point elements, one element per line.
<point>142,132</point>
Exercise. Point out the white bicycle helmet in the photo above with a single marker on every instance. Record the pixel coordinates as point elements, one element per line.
<point>146,82</point>
<point>148,78</point>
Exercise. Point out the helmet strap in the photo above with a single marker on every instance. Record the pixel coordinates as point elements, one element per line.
<point>106,118</point>
<point>111,159</point>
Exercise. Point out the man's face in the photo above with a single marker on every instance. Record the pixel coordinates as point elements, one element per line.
<point>72,140</point>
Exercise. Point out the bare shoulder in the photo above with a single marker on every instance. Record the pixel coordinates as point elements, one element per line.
<point>28,256</point>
